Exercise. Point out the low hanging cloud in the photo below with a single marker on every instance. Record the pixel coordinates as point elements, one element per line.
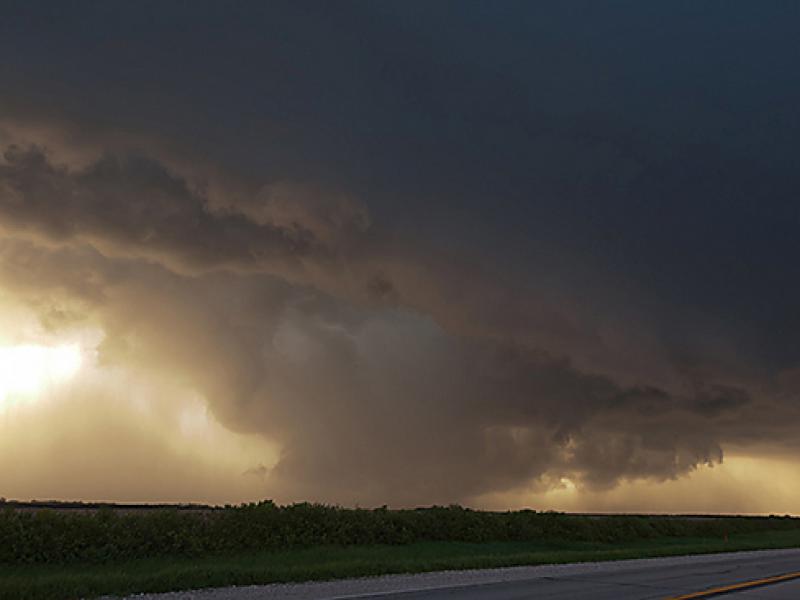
<point>133,206</point>
<point>383,373</point>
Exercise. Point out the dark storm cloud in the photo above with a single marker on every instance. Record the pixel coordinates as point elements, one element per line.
<point>434,250</point>
<point>379,406</point>
<point>135,202</point>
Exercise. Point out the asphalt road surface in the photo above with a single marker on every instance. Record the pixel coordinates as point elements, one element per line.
<point>779,591</point>
<point>660,578</point>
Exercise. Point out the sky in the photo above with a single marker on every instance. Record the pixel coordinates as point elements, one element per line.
<point>503,254</point>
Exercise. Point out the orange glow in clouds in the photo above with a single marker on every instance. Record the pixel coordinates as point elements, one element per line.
<point>28,370</point>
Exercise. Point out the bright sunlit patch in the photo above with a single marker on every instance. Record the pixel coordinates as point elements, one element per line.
<point>27,371</point>
<point>567,484</point>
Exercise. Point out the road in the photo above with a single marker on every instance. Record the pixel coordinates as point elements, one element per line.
<point>779,591</point>
<point>645,579</point>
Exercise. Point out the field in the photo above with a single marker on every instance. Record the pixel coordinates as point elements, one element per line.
<point>85,551</point>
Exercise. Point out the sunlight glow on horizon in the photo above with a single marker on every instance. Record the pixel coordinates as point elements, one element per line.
<point>28,370</point>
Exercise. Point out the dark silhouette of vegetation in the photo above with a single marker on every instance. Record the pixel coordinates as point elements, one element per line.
<point>106,535</point>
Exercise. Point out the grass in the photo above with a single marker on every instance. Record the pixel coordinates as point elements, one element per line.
<point>87,580</point>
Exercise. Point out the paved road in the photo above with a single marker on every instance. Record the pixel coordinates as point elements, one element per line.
<point>646,579</point>
<point>778,591</point>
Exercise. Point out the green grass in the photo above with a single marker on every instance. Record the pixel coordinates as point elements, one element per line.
<point>57,582</point>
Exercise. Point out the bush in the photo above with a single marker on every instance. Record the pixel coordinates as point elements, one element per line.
<point>53,536</point>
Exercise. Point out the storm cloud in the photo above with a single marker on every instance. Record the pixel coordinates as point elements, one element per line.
<point>427,275</point>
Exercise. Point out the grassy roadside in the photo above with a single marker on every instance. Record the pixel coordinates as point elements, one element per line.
<point>58,582</point>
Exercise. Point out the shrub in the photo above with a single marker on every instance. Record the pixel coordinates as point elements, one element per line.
<point>105,535</point>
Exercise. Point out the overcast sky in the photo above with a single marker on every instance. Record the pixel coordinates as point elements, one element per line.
<point>502,254</point>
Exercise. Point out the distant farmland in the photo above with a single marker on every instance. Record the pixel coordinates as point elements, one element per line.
<point>90,507</point>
